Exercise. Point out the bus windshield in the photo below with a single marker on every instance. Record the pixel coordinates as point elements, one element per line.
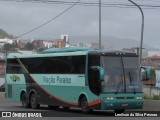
<point>121,75</point>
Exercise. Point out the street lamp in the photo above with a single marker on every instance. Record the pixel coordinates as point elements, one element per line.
<point>100,47</point>
<point>142,28</point>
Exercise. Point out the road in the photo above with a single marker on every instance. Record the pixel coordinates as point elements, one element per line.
<point>63,114</point>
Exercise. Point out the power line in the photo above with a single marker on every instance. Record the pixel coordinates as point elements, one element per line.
<point>84,3</point>
<point>149,0</point>
<point>49,20</point>
<point>73,3</point>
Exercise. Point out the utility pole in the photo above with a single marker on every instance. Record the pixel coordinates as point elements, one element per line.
<point>100,47</point>
<point>142,28</point>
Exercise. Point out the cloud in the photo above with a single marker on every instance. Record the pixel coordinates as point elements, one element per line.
<point>19,17</point>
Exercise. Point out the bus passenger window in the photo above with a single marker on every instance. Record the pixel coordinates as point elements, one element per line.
<point>79,63</point>
<point>81,69</point>
<point>15,70</point>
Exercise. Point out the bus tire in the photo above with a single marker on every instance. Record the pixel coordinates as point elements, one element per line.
<point>84,105</point>
<point>119,111</point>
<point>65,108</point>
<point>25,104</point>
<point>34,101</point>
<point>53,107</point>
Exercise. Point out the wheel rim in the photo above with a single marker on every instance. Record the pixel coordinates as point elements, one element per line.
<point>24,101</point>
<point>84,104</point>
<point>33,101</point>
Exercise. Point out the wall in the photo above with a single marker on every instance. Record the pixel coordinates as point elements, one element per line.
<point>150,91</point>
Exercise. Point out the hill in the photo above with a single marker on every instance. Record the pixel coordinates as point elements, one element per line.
<point>4,34</point>
<point>110,42</point>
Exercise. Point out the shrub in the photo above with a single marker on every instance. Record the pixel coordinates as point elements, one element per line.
<point>156,97</point>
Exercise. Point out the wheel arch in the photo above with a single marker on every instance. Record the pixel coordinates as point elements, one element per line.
<point>32,92</point>
<point>80,98</point>
<point>22,92</point>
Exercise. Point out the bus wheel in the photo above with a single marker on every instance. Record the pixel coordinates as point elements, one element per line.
<point>24,101</point>
<point>34,101</point>
<point>119,111</point>
<point>65,108</point>
<point>84,105</point>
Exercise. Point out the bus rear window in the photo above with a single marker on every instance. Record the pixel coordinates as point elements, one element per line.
<point>13,67</point>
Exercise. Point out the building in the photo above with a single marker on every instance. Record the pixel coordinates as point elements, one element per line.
<point>153,53</point>
<point>137,51</point>
<point>38,44</point>
<point>59,43</point>
<point>151,82</point>
<point>43,44</point>
<point>96,45</point>
<point>4,41</point>
<point>152,62</point>
<point>80,45</point>
<point>48,44</point>
<point>2,62</point>
<point>133,50</point>
<point>65,38</point>
<point>21,45</point>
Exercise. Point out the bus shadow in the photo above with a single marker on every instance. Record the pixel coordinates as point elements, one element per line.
<point>91,113</point>
<point>72,112</point>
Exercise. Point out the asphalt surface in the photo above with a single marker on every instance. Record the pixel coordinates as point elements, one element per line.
<point>74,113</point>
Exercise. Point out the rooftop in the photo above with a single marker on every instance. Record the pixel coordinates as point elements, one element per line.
<point>69,49</point>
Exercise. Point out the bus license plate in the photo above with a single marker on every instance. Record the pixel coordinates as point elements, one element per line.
<point>124,105</point>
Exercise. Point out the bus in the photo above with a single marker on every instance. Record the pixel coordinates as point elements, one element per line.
<point>86,78</point>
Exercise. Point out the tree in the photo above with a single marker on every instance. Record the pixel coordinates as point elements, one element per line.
<point>29,46</point>
<point>7,46</point>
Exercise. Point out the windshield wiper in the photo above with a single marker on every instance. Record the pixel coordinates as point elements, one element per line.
<point>121,82</point>
<point>124,76</point>
<point>130,80</point>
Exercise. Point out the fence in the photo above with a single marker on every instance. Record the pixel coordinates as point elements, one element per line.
<point>150,91</point>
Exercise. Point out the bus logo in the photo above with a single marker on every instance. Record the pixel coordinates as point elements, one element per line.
<point>15,78</point>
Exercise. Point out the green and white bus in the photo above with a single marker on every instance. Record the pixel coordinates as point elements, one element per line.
<point>75,77</point>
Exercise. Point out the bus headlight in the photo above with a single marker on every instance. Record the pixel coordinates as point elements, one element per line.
<point>109,98</point>
<point>139,98</point>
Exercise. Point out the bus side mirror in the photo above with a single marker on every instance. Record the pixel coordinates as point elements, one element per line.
<point>100,71</point>
<point>146,74</point>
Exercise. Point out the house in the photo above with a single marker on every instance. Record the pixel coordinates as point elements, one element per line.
<point>2,62</point>
<point>153,61</point>
<point>48,44</point>
<point>4,41</point>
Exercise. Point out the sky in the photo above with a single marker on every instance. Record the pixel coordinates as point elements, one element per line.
<point>17,18</point>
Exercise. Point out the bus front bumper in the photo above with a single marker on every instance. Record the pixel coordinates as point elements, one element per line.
<point>121,104</point>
